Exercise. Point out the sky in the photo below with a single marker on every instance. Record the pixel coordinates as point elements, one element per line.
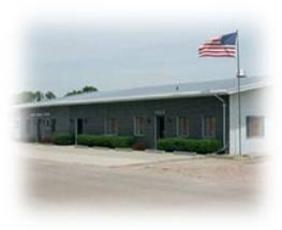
<point>65,56</point>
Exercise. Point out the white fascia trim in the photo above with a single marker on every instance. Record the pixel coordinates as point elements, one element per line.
<point>247,88</point>
<point>120,99</point>
<point>218,91</point>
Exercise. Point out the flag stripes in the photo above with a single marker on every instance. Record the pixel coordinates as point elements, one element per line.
<point>222,46</point>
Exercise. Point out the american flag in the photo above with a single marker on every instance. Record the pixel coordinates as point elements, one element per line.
<point>221,46</point>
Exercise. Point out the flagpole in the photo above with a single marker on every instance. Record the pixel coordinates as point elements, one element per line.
<point>238,93</point>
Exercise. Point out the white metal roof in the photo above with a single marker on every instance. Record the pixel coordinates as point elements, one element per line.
<point>190,89</point>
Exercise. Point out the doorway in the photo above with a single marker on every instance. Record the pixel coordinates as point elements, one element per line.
<point>53,126</point>
<point>79,126</point>
<point>39,134</point>
<point>160,126</point>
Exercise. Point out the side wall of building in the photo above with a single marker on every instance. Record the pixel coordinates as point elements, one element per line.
<point>253,104</point>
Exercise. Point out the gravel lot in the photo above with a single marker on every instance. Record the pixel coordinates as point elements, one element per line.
<point>100,178</point>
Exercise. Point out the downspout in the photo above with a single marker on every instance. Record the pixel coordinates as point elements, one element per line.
<point>223,149</point>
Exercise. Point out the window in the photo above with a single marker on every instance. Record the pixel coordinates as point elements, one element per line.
<point>209,127</point>
<point>139,126</point>
<point>112,126</point>
<point>183,126</point>
<point>255,126</point>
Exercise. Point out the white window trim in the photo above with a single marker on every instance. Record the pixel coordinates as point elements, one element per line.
<point>177,126</point>
<point>135,127</point>
<point>203,126</point>
<point>255,137</point>
<point>106,127</point>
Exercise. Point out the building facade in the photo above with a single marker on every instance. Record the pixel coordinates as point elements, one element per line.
<point>146,120</point>
<point>192,110</point>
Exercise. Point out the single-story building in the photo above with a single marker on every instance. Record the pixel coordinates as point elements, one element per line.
<point>195,110</point>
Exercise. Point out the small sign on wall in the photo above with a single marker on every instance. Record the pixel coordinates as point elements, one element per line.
<point>40,114</point>
<point>160,112</point>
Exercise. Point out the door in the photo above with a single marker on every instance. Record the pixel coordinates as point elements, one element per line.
<point>53,126</point>
<point>160,126</point>
<point>39,130</point>
<point>79,126</point>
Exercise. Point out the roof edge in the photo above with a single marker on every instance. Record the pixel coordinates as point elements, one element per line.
<point>126,99</point>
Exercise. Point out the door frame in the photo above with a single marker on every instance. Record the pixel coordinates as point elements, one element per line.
<point>157,113</point>
<point>39,130</point>
<point>76,133</point>
<point>79,126</point>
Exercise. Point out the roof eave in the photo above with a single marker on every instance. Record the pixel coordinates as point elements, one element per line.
<point>248,88</point>
<point>125,99</point>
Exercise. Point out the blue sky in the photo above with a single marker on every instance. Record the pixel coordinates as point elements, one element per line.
<point>63,57</point>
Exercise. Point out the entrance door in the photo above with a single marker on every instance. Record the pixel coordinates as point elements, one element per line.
<point>160,126</point>
<point>53,126</point>
<point>39,134</point>
<point>79,126</point>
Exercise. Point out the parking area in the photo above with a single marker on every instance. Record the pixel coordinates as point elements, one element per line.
<point>101,178</point>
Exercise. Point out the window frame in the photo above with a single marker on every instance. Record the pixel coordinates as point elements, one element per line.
<point>249,134</point>
<point>107,125</point>
<point>137,128</point>
<point>204,128</point>
<point>178,128</point>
